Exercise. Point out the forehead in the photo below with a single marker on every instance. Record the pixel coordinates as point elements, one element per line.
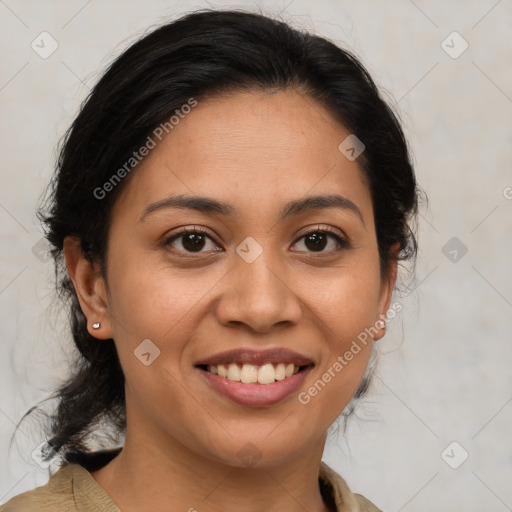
<point>249,148</point>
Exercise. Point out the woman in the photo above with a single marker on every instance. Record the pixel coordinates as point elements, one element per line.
<point>227,216</point>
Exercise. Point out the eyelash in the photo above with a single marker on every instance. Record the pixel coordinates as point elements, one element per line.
<point>202,231</point>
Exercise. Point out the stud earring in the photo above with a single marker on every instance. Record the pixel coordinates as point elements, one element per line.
<point>96,325</point>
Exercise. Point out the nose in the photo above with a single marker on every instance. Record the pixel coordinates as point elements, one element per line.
<point>258,296</point>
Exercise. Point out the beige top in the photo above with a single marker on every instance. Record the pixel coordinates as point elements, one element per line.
<point>73,489</point>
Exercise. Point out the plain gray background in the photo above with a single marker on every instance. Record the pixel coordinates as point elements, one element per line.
<point>445,372</point>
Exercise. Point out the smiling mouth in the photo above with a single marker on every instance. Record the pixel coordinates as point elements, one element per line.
<point>267,373</point>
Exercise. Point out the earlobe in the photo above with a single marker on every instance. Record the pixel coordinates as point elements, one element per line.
<point>386,292</point>
<point>90,288</point>
<point>380,324</point>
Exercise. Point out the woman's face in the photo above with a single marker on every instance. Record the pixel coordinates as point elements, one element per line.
<point>250,280</point>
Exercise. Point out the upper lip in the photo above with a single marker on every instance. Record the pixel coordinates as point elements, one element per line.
<point>256,357</point>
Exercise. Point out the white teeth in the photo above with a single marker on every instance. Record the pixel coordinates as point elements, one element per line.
<point>233,372</point>
<point>280,371</point>
<point>251,374</point>
<point>266,374</point>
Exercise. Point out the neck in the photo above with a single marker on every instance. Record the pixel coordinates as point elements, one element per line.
<point>153,473</point>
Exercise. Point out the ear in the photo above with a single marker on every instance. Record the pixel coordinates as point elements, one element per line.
<point>90,288</point>
<point>386,291</point>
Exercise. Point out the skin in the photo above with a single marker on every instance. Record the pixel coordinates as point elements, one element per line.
<point>256,151</point>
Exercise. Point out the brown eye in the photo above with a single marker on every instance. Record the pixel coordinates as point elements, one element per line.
<point>318,239</point>
<point>191,241</point>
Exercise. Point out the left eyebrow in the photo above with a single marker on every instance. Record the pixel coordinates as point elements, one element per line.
<point>319,202</point>
<point>209,205</point>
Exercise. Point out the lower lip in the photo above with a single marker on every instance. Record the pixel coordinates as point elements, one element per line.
<point>257,395</point>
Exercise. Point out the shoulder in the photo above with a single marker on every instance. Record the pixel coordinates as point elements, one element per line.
<point>55,495</point>
<point>70,489</point>
<point>344,499</point>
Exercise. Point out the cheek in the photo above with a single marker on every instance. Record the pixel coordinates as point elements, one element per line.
<point>158,303</point>
<point>344,362</point>
<point>161,306</point>
<point>150,297</point>
<point>347,301</point>
<point>346,310</point>
<point>334,385</point>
